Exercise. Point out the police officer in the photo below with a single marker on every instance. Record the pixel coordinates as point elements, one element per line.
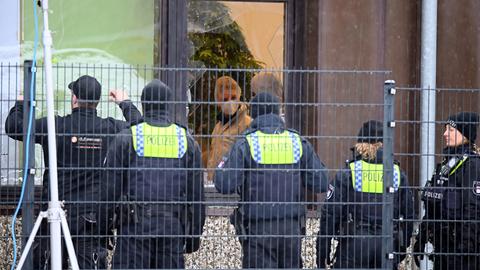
<point>82,139</point>
<point>452,199</point>
<point>344,213</point>
<point>157,165</point>
<point>270,167</point>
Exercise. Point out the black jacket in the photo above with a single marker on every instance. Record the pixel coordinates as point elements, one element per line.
<point>267,190</point>
<point>342,207</point>
<point>150,181</point>
<point>459,205</point>
<point>82,141</point>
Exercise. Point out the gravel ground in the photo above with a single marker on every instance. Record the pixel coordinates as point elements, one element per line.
<point>219,249</point>
<point>6,247</point>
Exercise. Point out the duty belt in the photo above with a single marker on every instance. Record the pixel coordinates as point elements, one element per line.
<point>149,209</point>
<point>373,226</point>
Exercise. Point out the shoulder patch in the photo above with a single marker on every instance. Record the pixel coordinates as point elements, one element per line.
<point>476,188</point>
<point>331,190</point>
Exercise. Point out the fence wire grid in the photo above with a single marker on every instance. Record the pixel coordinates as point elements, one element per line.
<point>239,168</point>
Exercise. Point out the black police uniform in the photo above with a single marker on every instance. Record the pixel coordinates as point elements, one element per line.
<point>353,218</point>
<point>82,140</point>
<point>165,196</point>
<point>452,211</point>
<point>271,196</point>
<point>452,197</point>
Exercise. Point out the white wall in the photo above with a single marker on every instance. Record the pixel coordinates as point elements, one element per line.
<point>10,78</point>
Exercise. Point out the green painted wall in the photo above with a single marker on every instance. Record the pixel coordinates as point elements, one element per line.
<point>108,39</point>
<point>120,29</point>
<point>103,38</point>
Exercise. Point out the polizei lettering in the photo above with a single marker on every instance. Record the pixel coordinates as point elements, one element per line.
<point>373,176</point>
<point>276,147</point>
<point>160,140</point>
<point>433,195</point>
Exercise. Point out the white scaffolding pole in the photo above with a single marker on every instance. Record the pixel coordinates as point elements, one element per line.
<point>55,213</point>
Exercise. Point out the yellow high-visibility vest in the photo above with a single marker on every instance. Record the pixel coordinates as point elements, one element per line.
<point>368,177</point>
<point>283,148</point>
<point>159,142</point>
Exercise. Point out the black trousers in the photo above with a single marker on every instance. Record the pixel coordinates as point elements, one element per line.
<point>273,244</point>
<point>149,253</point>
<point>154,242</point>
<point>90,249</point>
<point>455,262</point>
<point>360,251</point>
<point>447,243</point>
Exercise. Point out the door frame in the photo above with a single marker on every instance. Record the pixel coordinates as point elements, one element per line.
<point>171,46</point>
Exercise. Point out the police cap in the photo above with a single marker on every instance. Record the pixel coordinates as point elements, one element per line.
<point>371,132</point>
<point>466,123</point>
<point>86,88</point>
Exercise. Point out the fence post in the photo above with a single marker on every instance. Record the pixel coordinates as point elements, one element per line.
<point>171,53</point>
<point>387,207</point>
<point>29,196</point>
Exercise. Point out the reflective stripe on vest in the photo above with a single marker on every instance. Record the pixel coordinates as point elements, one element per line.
<point>284,148</point>
<point>368,177</point>
<point>465,157</point>
<point>159,142</point>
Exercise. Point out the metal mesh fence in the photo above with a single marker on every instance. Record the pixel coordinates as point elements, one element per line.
<point>261,180</point>
<point>446,190</point>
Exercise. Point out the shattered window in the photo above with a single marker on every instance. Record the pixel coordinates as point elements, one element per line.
<point>240,36</point>
<point>219,29</point>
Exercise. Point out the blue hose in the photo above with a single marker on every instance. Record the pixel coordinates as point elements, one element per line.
<point>29,131</point>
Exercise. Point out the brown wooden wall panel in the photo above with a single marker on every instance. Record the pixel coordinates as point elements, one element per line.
<point>386,35</point>
<point>402,57</point>
<point>351,37</point>
<point>458,44</point>
<point>458,62</point>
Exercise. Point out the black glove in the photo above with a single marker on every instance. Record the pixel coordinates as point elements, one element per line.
<point>417,248</point>
<point>192,244</point>
<point>323,252</point>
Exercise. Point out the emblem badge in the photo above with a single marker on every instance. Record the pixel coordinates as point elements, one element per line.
<point>330,191</point>
<point>476,188</point>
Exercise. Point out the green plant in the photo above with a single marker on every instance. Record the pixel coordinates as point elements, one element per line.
<point>217,42</point>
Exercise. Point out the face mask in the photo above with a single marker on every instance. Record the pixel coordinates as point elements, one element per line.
<point>230,107</point>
